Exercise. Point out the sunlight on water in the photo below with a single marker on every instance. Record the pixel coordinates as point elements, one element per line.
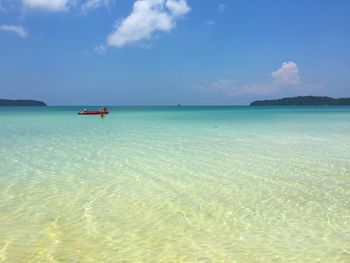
<point>175,185</point>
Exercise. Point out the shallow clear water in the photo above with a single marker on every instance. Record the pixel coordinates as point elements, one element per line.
<point>205,184</point>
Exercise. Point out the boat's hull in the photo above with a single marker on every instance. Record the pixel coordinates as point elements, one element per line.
<point>97,112</point>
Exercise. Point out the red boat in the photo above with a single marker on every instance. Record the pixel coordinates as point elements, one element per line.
<point>94,112</point>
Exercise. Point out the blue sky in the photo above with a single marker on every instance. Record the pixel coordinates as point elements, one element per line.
<point>165,52</point>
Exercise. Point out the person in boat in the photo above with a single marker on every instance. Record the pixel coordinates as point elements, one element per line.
<point>104,108</point>
<point>84,110</point>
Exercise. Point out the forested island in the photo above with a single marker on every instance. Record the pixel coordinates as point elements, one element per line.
<point>303,101</point>
<point>21,103</point>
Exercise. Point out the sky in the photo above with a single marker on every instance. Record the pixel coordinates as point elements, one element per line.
<point>169,52</point>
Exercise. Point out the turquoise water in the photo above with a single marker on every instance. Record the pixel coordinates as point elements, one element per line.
<point>168,184</point>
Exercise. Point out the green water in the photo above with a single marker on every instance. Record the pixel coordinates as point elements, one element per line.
<point>206,184</point>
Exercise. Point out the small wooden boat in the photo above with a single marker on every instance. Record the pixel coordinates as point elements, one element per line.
<point>94,112</point>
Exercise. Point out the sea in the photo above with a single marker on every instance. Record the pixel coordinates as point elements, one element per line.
<point>175,184</point>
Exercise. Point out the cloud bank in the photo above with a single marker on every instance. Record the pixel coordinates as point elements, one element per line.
<point>47,5</point>
<point>64,5</point>
<point>93,4</point>
<point>147,18</point>
<point>19,30</point>
<point>285,77</point>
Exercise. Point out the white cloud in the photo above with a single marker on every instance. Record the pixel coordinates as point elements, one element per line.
<point>284,78</point>
<point>222,8</point>
<point>146,18</point>
<point>177,7</point>
<point>287,74</point>
<point>19,30</point>
<point>48,5</point>
<point>93,4</point>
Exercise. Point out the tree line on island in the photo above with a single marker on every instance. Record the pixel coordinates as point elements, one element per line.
<point>303,101</point>
<point>21,103</point>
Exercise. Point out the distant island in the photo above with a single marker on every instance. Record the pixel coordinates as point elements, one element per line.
<point>21,103</point>
<point>303,101</point>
